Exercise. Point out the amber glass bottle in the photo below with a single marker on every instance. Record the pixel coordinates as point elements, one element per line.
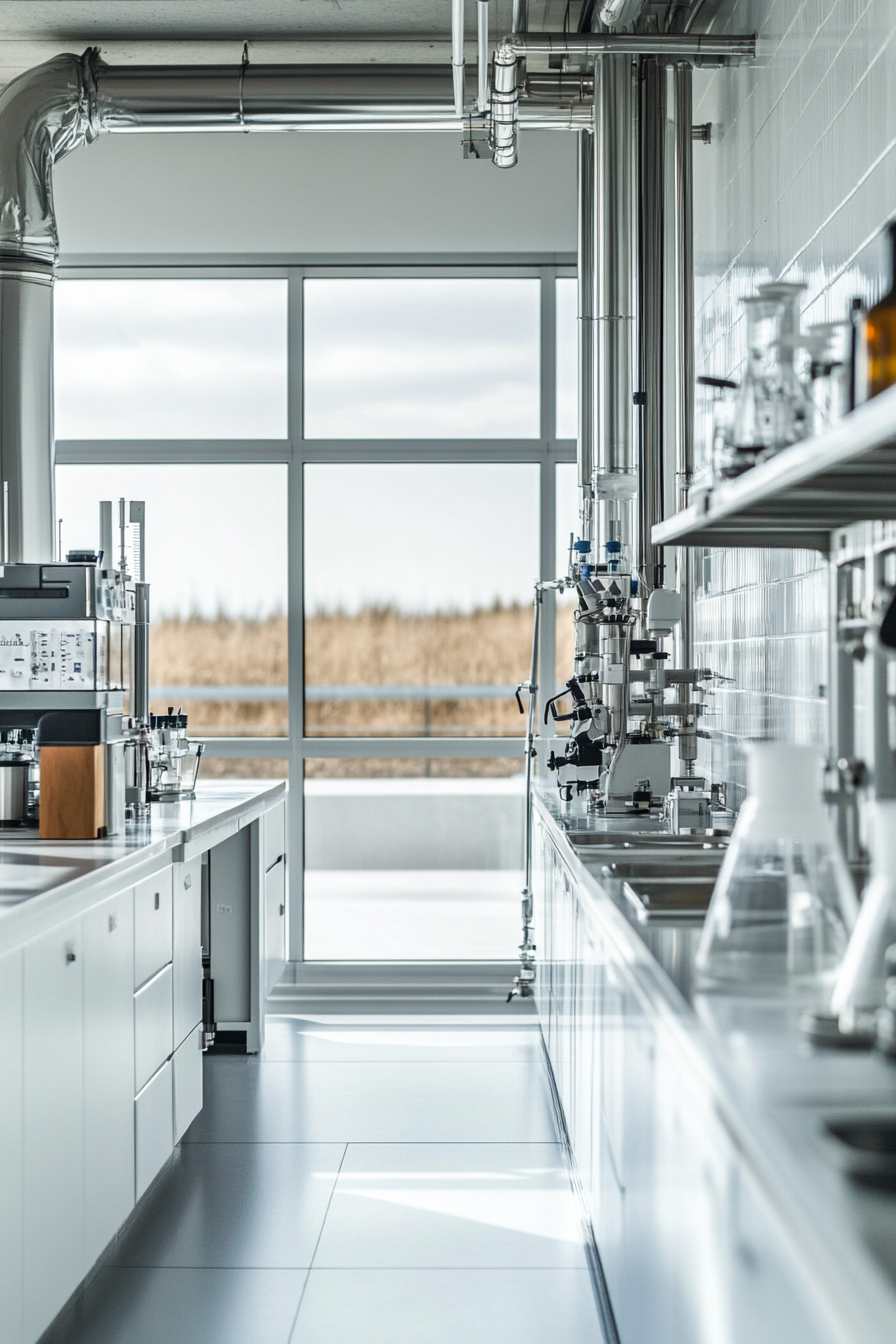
<point>880,332</point>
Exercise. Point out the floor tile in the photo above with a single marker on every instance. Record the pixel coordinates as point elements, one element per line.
<point>372,1103</point>
<point>447,1306</point>
<point>298,1039</point>
<point>184,1306</point>
<point>253,1205</point>
<point>472,1206</point>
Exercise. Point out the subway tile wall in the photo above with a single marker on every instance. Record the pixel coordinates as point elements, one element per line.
<point>797,184</point>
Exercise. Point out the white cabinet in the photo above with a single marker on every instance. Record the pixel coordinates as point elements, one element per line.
<point>152,1026</point>
<point>187,1064</point>
<point>153,1125</point>
<point>108,1070</point>
<point>152,925</point>
<point>187,948</point>
<point>274,922</point>
<point>53,1114</point>
<point>11,1148</point>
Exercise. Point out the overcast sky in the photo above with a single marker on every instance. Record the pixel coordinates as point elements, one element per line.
<point>387,359</point>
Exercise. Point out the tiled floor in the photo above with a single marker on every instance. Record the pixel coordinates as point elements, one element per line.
<point>388,1181</point>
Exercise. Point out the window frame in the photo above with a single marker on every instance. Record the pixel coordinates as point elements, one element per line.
<point>296,452</point>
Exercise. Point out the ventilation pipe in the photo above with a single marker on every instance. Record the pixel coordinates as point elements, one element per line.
<point>652,232</point>
<point>66,102</point>
<point>684,304</point>
<point>587,333</point>
<point>457,56</point>
<point>615,482</point>
<point>705,48</point>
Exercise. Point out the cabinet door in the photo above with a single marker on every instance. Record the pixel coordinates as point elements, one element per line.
<point>274,922</point>
<point>53,1223</point>
<point>11,1148</point>
<point>187,1083</point>
<point>152,926</point>
<point>153,1124</point>
<point>187,948</point>
<point>108,1070</point>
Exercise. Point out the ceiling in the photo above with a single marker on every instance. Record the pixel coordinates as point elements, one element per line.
<point>183,32</point>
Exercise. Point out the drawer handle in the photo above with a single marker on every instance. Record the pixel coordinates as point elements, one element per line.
<point>157,899</point>
<point>188,881</point>
<point>70,952</point>
<point>279,859</point>
<point>283,909</point>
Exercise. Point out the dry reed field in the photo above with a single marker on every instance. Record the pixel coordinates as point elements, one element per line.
<point>375,647</point>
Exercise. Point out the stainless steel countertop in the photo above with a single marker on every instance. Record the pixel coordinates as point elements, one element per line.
<point>43,881</point>
<point>772,1091</point>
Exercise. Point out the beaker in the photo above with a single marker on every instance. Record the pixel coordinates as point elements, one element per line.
<point>784,903</point>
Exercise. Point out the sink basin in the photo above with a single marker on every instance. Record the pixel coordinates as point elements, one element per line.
<point>635,840</point>
<point>864,1146</point>
<point>670,899</point>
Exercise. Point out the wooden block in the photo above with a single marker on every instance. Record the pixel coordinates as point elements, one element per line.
<point>72,793</point>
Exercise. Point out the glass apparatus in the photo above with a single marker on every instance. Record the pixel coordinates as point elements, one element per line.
<point>861,981</point>
<point>880,333</point>
<point>792,407</point>
<point>827,344</point>
<point>753,429</point>
<point>784,903</point>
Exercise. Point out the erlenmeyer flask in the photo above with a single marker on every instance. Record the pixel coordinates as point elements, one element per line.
<point>784,903</point>
<point>860,982</point>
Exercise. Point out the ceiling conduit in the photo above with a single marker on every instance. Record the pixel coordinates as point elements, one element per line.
<point>67,102</point>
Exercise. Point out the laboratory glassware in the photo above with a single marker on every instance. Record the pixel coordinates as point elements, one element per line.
<point>784,904</point>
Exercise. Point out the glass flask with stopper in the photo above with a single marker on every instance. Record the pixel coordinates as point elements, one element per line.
<point>784,903</point>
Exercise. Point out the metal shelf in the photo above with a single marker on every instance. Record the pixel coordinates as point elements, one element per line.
<point>800,497</point>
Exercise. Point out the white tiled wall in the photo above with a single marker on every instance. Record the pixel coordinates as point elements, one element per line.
<point>797,184</point>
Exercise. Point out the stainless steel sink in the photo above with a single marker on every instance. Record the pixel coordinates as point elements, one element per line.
<point>676,900</point>
<point>864,1146</point>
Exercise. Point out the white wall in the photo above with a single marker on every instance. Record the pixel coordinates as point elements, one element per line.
<point>798,185</point>
<point>313,192</point>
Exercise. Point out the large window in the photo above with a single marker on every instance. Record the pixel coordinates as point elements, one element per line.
<point>352,480</point>
<point>422,359</point>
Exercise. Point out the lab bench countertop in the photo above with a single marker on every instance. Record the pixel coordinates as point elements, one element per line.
<point>43,881</point>
<point>773,1092</point>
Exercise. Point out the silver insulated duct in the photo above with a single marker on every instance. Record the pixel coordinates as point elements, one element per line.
<point>44,114</point>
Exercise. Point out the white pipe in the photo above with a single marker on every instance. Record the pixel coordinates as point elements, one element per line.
<point>457,55</point>
<point>482,28</point>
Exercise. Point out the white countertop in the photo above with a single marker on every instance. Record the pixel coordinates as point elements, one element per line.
<point>773,1092</point>
<point>42,881</point>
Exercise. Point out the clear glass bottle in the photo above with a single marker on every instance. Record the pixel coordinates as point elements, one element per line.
<point>828,346</point>
<point>784,904</point>
<point>880,333</point>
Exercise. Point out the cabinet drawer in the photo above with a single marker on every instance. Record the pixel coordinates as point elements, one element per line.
<point>152,1027</point>
<point>152,926</point>
<point>153,1120</point>
<point>187,1063</point>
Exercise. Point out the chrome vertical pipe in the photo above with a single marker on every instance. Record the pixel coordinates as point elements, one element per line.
<point>26,411</point>
<point>684,229</point>
<point>587,332</point>
<point>482,30</point>
<point>457,55</point>
<point>141,652</point>
<point>615,314</point>
<point>520,22</point>
<point>652,237</point>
